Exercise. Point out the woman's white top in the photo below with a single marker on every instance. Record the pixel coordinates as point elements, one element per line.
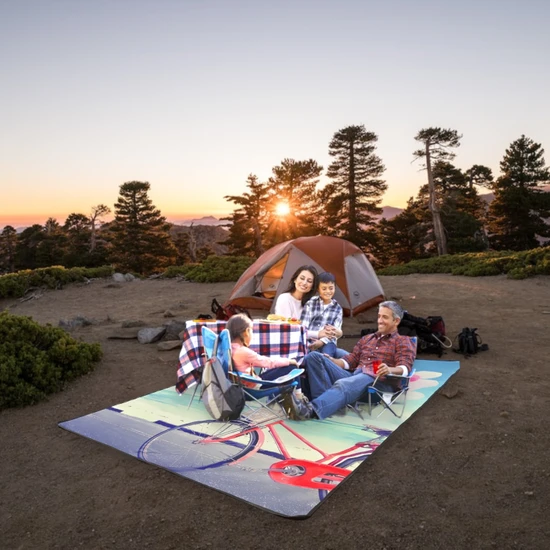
<point>287,306</point>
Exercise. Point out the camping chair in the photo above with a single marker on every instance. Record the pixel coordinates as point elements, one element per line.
<point>391,401</point>
<point>272,389</point>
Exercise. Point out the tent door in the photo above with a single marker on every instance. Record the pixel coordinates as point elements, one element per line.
<point>270,280</point>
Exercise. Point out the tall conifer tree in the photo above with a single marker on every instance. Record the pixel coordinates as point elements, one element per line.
<point>436,147</point>
<point>352,198</point>
<point>141,239</point>
<point>517,213</point>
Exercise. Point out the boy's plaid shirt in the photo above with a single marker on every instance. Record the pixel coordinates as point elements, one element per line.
<point>315,315</point>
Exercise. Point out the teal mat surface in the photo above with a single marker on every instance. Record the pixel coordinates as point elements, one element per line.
<point>283,466</point>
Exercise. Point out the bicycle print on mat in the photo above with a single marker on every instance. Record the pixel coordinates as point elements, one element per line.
<point>283,466</point>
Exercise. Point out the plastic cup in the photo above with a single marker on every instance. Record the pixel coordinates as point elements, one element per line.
<point>376,366</point>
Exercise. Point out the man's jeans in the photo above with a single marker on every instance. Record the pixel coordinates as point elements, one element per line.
<point>331,386</point>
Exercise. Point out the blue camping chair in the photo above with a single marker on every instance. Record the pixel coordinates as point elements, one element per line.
<point>272,389</point>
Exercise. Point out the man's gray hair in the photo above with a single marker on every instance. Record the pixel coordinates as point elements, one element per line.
<point>396,309</point>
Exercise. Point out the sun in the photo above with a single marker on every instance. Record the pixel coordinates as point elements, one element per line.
<point>282,209</point>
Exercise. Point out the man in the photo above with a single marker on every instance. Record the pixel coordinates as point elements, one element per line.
<point>335,383</point>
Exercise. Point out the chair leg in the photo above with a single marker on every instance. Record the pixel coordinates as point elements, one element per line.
<point>193,396</point>
<point>356,410</point>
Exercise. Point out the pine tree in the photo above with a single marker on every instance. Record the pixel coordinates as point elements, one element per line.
<point>462,210</point>
<point>8,244</point>
<point>141,239</point>
<point>51,248</point>
<point>352,198</point>
<point>294,182</point>
<point>407,236</point>
<point>249,222</point>
<point>27,246</point>
<point>517,213</point>
<point>437,142</point>
<point>77,231</point>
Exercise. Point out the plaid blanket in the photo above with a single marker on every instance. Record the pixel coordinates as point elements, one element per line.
<point>271,339</point>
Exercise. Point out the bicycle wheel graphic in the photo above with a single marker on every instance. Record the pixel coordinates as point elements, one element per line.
<point>344,462</point>
<point>199,445</point>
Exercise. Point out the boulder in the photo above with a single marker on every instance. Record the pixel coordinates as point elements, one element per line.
<point>150,335</point>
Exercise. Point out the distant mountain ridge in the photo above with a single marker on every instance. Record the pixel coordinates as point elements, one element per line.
<point>205,220</point>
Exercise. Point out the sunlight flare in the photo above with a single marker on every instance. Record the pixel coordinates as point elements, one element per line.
<point>282,209</point>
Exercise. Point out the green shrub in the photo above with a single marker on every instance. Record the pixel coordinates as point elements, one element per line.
<point>215,269</point>
<point>36,360</point>
<point>14,285</point>
<point>516,265</point>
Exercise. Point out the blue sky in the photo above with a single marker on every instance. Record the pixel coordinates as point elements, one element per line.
<point>193,96</point>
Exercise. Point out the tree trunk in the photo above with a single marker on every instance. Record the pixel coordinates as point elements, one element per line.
<point>439,230</point>
<point>259,247</point>
<point>352,197</point>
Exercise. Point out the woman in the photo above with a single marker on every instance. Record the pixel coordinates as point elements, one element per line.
<point>303,286</point>
<point>244,359</point>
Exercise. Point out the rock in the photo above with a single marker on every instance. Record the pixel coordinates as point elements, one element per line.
<point>168,345</point>
<point>129,277</point>
<point>118,278</point>
<point>76,322</point>
<point>150,335</point>
<point>449,391</point>
<point>174,329</point>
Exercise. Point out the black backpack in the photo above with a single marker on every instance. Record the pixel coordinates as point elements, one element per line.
<point>469,342</point>
<point>430,333</point>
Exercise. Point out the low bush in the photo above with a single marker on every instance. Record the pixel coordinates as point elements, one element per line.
<point>215,269</point>
<point>37,360</point>
<point>15,285</point>
<point>516,265</point>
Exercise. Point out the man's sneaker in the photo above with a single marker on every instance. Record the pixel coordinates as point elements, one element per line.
<point>297,409</point>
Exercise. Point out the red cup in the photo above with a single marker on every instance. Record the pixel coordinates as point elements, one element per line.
<point>376,366</point>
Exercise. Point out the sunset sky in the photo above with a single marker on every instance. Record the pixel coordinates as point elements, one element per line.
<point>194,95</point>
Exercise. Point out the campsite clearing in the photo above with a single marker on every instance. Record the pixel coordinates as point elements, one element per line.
<point>470,469</point>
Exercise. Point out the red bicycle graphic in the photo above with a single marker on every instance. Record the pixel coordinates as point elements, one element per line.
<point>206,444</point>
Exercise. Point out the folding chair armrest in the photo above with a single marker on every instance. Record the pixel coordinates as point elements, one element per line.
<point>247,377</point>
<point>285,379</point>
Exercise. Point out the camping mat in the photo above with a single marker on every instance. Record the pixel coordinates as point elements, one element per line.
<point>286,467</point>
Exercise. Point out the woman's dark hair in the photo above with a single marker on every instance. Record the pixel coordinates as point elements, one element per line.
<point>326,277</point>
<point>292,285</point>
<point>236,325</point>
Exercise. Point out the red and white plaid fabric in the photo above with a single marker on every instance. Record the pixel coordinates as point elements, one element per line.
<point>271,339</point>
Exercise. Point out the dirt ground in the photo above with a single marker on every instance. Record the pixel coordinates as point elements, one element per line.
<point>470,470</point>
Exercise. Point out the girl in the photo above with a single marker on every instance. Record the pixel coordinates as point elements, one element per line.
<point>244,359</point>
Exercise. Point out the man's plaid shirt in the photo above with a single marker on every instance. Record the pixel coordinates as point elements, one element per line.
<point>315,315</point>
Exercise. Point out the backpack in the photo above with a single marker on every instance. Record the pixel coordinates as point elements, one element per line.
<point>223,313</point>
<point>430,333</point>
<point>222,399</point>
<point>469,342</point>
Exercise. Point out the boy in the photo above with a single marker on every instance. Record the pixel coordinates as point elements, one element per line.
<point>322,316</point>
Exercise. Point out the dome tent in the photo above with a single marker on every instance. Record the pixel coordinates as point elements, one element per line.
<point>357,286</point>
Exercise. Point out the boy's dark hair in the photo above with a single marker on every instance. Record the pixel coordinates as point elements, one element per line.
<point>326,277</point>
